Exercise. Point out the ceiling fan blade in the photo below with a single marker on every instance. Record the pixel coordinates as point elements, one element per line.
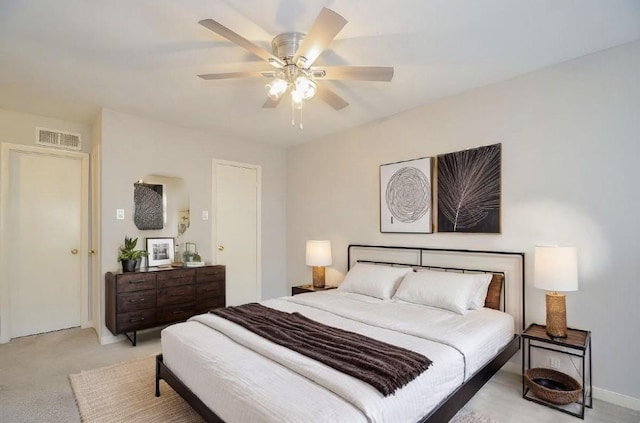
<point>225,32</point>
<point>229,75</point>
<point>270,104</point>
<point>322,32</point>
<point>331,98</point>
<point>357,73</point>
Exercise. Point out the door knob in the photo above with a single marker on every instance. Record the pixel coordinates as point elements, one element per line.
<point>92,252</point>
<point>220,247</point>
<point>74,251</point>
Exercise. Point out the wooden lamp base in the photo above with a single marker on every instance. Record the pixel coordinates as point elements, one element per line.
<point>318,276</point>
<point>556,315</point>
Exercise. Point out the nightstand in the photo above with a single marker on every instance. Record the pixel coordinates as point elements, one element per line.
<point>301,289</point>
<point>576,344</point>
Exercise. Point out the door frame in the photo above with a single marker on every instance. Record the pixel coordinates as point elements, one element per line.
<point>95,280</point>
<point>5,155</point>
<point>214,213</point>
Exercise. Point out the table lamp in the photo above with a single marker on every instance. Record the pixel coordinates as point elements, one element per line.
<point>556,269</point>
<point>318,256</point>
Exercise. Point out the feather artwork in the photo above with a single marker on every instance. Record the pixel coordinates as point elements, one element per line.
<point>469,190</point>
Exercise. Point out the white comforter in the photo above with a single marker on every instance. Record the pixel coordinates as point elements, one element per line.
<point>243,377</point>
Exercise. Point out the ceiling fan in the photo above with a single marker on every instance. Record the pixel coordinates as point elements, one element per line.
<point>293,56</point>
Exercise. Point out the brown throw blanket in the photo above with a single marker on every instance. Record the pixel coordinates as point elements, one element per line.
<point>385,367</point>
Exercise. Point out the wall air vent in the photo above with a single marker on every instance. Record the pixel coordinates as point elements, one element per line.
<point>58,139</point>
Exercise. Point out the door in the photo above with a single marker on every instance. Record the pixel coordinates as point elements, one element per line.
<point>237,229</point>
<point>44,239</point>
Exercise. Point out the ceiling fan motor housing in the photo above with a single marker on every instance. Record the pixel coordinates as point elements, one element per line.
<point>285,45</point>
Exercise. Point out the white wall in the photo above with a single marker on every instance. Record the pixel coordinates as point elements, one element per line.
<point>20,128</point>
<point>133,147</point>
<point>570,139</point>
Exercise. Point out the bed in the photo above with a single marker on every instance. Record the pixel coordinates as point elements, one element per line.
<point>228,373</point>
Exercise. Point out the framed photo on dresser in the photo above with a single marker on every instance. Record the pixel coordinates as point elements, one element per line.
<point>161,251</point>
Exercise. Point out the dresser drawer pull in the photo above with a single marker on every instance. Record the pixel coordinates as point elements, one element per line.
<point>139,281</point>
<point>178,311</point>
<point>211,273</point>
<point>177,295</point>
<point>139,319</point>
<point>138,300</point>
<point>177,277</point>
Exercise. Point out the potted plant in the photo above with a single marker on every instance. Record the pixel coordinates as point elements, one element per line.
<point>129,256</point>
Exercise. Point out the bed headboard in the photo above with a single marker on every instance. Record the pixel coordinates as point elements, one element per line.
<point>507,263</point>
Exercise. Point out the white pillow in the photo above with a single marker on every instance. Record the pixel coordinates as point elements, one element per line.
<point>373,280</point>
<point>448,290</point>
<point>483,280</point>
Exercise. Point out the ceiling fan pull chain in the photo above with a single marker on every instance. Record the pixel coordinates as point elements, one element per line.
<point>300,117</point>
<point>293,114</point>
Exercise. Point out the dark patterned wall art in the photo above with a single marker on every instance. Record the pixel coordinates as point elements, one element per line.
<point>405,196</point>
<point>469,190</point>
<point>149,206</point>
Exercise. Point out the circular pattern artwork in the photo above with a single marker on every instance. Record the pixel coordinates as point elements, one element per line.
<point>408,195</point>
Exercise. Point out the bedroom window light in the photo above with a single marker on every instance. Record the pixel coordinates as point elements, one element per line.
<point>319,256</point>
<point>556,269</point>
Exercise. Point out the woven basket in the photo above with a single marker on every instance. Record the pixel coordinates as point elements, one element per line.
<point>569,389</point>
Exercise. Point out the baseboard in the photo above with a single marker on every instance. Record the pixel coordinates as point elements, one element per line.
<point>617,399</point>
<point>598,393</point>
<point>110,339</point>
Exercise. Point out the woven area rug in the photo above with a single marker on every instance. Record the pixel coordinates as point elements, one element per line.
<point>125,392</point>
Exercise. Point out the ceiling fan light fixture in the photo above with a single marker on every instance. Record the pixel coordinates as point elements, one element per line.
<point>305,88</point>
<point>276,88</point>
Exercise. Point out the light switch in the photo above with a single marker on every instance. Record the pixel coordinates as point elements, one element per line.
<point>120,214</point>
<point>205,215</point>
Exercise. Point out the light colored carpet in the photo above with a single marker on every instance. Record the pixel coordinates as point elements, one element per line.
<point>125,392</point>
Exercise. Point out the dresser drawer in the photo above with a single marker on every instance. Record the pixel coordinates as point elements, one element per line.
<point>135,282</point>
<point>204,306</point>
<point>139,300</point>
<point>175,277</point>
<point>209,274</point>
<point>176,295</point>
<point>175,313</point>
<point>136,320</point>
<point>209,290</point>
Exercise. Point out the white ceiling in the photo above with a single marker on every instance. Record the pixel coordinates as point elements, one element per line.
<point>68,58</point>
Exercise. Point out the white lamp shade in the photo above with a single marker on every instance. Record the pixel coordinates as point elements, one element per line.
<point>318,253</point>
<point>556,268</point>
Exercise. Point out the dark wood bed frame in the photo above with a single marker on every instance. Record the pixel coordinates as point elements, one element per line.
<point>447,408</point>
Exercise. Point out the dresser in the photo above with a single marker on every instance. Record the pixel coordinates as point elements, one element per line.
<point>156,297</point>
